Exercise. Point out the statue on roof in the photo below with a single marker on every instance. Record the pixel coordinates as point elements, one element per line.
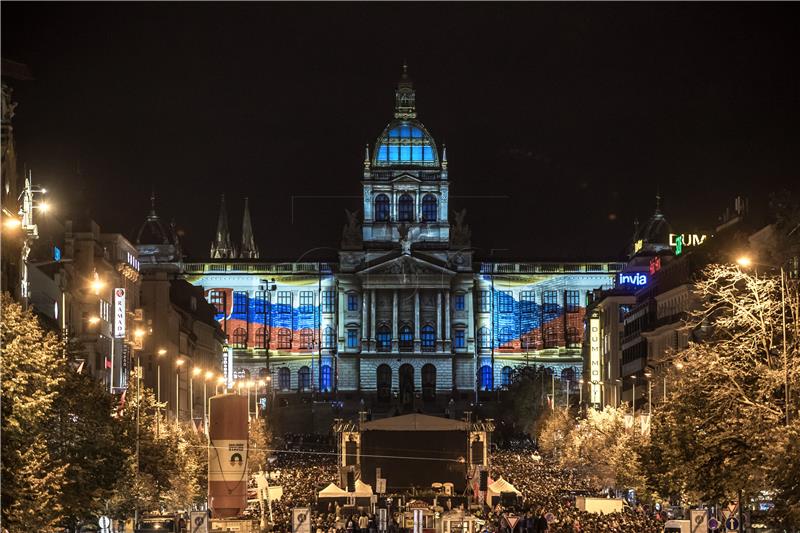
<point>351,233</point>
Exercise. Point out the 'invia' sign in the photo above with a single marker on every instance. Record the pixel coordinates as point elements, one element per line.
<point>637,279</point>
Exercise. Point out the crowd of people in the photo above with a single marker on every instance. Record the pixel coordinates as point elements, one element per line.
<point>547,502</point>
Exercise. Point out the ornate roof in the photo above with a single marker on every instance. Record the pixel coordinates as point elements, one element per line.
<point>153,230</point>
<point>405,142</point>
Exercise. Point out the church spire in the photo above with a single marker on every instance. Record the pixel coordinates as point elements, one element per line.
<point>222,248</point>
<point>405,97</point>
<point>249,249</point>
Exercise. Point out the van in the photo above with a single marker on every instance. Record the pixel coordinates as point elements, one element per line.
<point>677,526</point>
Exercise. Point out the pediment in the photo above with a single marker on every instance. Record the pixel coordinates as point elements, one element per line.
<point>406,178</point>
<point>406,264</point>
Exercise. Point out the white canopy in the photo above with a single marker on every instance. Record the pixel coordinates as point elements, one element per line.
<point>362,490</point>
<point>332,491</point>
<point>499,486</point>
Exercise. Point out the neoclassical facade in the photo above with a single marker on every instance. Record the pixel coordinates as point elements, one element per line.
<point>407,310</point>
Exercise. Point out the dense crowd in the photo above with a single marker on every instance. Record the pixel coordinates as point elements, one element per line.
<point>547,502</point>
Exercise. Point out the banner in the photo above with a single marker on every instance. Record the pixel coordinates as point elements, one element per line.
<point>301,520</point>
<point>119,313</point>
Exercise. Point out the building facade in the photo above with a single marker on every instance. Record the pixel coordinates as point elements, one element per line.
<point>407,310</point>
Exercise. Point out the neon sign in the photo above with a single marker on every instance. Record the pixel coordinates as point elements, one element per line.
<point>687,239</point>
<point>637,279</point>
<point>594,357</point>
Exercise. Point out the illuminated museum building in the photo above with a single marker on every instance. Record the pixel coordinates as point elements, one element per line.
<point>405,310</point>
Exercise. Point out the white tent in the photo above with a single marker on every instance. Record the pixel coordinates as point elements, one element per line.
<point>362,490</point>
<point>332,491</point>
<point>498,487</point>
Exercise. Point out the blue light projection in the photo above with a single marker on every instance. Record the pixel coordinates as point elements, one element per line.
<point>405,144</point>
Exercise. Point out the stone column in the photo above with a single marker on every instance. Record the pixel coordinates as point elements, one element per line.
<point>470,319</point>
<point>417,343</point>
<point>340,335</point>
<point>364,318</point>
<point>439,328</point>
<point>372,298</point>
<point>447,326</point>
<point>395,323</point>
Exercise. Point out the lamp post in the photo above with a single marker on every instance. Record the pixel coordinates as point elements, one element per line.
<point>178,365</point>
<point>195,372</point>
<point>250,383</point>
<point>138,335</point>
<point>209,375</point>
<point>649,374</point>
<point>633,402</point>
<point>580,391</point>
<point>746,262</point>
<point>567,394</point>
<point>30,231</point>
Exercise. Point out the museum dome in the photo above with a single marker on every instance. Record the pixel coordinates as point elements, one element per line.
<point>405,141</point>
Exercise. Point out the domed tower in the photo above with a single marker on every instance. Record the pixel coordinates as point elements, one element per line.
<point>652,237</point>
<point>157,243</point>
<point>405,183</point>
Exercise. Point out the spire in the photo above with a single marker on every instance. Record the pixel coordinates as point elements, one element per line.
<point>222,248</point>
<point>152,214</point>
<point>405,97</point>
<point>444,155</point>
<point>249,249</point>
<point>658,201</point>
<point>366,157</point>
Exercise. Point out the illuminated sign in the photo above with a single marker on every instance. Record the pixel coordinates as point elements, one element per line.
<point>687,239</point>
<point>638,245</point>
<point>119,313</point>
<point>227,366</point>
<point>56,253</point>
<point>637,279</point>
<point>594,357</point>
<point>655,265</point>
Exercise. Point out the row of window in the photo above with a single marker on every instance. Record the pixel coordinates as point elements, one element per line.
<point>486,376</point>
<point>505,302</point>
<point>527,301</point>
<point>405,208</point>
<point>304,378</point>
<point>505,335</point>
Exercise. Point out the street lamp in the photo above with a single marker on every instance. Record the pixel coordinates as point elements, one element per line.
<point>220,381</point>
<point>633,403</point>
<point>261,384</point>
<point>178,365</point>
<point>195,372</point>
<point>580,391</point>
<point>746,261</point>
<point>649,374</point>
<point>209,375</point>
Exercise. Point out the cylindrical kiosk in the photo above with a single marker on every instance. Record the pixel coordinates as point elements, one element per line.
<point>227,455</point>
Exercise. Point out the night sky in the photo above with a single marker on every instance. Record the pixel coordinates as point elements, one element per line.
<point>561,120</point>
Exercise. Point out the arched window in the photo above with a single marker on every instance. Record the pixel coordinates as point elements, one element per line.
<point>429,208</point>
<point>406,339</point>
<point>384,381</point>
<point>326,378</point>
<point>328,338</point>
<point>303,378</point>
<point>284,339</point>
<point>405,208</point>
<point>239,338</point>
<point>428,338</point>
<point>568,375</point>
<point>382,208</point>
<point>484,341</point>
<point>485,377</point>
<point>505,376</point>
<point>384,339</point>
<point>261,338</point>
<point>429,382</point>
<point>306,339</point>
<point>505,336</point>
<point>284,379</point>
